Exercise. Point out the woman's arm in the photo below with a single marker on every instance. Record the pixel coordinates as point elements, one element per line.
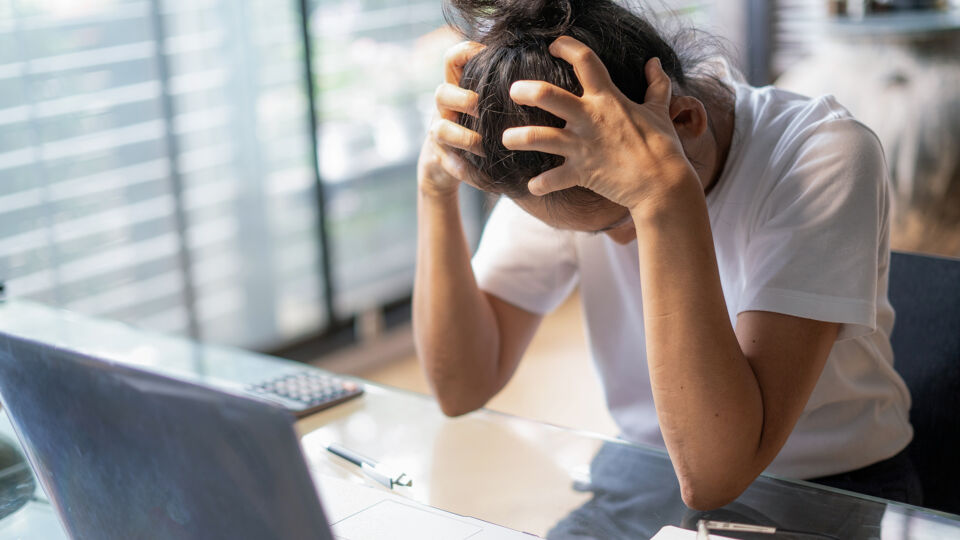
<point>469,343</point>
<point>726,399</point>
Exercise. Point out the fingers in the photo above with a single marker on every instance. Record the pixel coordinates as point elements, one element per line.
<point>548,97</point>
<point>458,168</point>
<point>451,100</point>
<point>590,71</point>
<point>456,57</point>
<point>659,87</point>
<point>555,179</point>
<point>452,164</point>
<point>452,134</point>
<point>539,139</point>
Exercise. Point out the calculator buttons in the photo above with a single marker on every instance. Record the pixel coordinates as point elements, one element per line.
<point>310,391</point>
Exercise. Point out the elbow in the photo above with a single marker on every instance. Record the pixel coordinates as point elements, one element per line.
<point>454,409</point>
<point>706,494</point>
<point>455,402</point>
<point>456,393</point>
<point>711,479</point>
<point>706,500</point>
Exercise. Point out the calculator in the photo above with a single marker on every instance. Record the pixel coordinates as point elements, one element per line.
<point>306,392</point>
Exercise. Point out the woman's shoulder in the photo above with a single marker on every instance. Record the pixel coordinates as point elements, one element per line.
<point>785,121</point>
<point>802,156</point>
<point>790,132</point>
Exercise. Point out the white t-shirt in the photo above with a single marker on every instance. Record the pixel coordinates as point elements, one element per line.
<point>800,224</point>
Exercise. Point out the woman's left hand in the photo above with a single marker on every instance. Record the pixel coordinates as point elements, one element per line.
<point>626,152</point>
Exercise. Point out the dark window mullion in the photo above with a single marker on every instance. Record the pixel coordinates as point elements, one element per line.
<point>325,263</point>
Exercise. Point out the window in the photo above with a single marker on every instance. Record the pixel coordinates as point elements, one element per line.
<point>155,165</point>
<point>376,64</point>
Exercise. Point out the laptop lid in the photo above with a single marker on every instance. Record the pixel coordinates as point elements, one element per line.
<point>123,453</point>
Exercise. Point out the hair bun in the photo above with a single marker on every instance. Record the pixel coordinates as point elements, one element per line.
<point>506,22</point>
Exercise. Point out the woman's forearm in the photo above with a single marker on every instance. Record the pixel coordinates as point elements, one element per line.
<point>708,399</point>
<point>454,327</point>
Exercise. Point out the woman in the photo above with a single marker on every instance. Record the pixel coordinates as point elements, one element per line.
<point>754,222</point>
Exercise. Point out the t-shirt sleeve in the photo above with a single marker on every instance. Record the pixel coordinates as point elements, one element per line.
<point>818,241</point>
<point>525,261</point>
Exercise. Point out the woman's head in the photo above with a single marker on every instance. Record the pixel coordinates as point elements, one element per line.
<point>517,35</point>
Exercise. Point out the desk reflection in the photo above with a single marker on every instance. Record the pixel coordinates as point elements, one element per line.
<point>635,492</point>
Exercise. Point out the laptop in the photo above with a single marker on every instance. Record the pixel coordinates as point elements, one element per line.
<point>125,453</point>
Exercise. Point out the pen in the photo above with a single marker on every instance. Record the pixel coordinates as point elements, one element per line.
<point>704,527</point>
<point>377,471</point>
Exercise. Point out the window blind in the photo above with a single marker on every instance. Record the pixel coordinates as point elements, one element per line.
<point>155,165</point>
<point>241,120</point>
<point>86,209</point>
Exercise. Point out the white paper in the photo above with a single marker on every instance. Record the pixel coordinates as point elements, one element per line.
<point>359,512</point>
<point>676,533</point>
<point>398,521</point>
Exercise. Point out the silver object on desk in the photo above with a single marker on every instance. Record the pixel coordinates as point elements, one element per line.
<point>379,472</point>
<point>704,527</point>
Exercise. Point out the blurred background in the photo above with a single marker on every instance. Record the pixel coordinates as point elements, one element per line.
<point>243,171</point>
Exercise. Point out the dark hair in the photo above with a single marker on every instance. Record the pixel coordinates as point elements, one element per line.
<point>517,35</point>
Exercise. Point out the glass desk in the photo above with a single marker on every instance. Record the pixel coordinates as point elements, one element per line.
<point>530,476</point>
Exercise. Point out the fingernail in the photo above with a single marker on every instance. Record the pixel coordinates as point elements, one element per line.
<point>659,63</point>
<point>533,186</point>
<point>505,138</point>
<point>518,86</point>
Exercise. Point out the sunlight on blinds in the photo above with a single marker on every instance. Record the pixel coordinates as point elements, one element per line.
<point>159,180</point>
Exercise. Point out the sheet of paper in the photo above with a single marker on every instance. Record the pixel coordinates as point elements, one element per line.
<point>341,499</point>
<point>676,533</point>
<point>360,512</point>
<point>399,521</point>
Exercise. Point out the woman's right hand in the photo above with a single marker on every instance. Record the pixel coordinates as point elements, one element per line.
<point>440,169</point>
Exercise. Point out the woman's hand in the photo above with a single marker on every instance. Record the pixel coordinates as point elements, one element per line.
<point>624,151</point>
<point>439,169</point>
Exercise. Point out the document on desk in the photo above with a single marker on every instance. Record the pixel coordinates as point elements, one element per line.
<point>676,533</point>
<point>358,512</point>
